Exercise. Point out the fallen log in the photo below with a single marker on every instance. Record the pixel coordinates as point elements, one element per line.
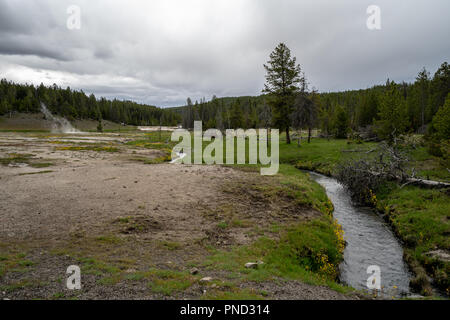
<point>407,181</point>
<point>427,183</point>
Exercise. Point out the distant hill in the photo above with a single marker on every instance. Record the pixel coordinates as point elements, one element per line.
<point>76,105</point>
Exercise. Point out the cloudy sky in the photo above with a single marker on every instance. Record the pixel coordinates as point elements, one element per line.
<point>162,51</point>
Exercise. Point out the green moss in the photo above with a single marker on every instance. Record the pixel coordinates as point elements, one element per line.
<point>307,251</point>
<point>25,263</point>
<point>41,165</point>
<point>111,239</point>
<point>33,173</point>
<point>12,259</point>
<point>98,267</point>
<point>166,282</point>
<point>238,223</point>
<point>110,280</point>
<point>14,158</point>
<point>420,217</point>
<point>170,245</point>
<point>58,295</point>
<point>428,166</point>
<point>222,225</point>
<point>169,286</point>
<point>21,284</point>
<point>166,157</point>
<point>89,148</point>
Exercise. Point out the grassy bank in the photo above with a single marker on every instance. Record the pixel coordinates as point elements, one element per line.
<point>306,250</point>
<point>309,251</point>
<point>419,217</point>
<point>292,246</point>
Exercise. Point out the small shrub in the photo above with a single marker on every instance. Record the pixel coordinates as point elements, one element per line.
<point>434,149</point>
<point>421,284</point>
<point>364,177</point>
<point>100,126</point>
<point>223,225</point>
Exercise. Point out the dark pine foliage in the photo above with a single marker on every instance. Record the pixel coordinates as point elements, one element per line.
<point>77,105</point>
<point>340,113</point>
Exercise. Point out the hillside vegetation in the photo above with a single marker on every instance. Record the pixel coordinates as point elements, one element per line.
<point>76,105</point>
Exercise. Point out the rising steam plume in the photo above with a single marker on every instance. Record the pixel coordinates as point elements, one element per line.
<point>59,124</point>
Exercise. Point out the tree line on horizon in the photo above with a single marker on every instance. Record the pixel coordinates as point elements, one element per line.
<point>286,102</point>
<point>384,110</point>
<point>72,104</point>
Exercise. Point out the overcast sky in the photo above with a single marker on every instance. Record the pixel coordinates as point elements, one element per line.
<point>162,51</point>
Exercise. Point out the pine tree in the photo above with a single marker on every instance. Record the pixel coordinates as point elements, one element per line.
<point>440,86</point>
<point>441,121</point>
<point>282,79</point>
<point>100,126</point>
<point>188,117</point>
<point>3,107</point>
<point>219,118</point>
<point>325,114</point>
<point>305,108</point>
<point>341,123</point>
<point>393,114</point>
<point>265,116</point>
<point>423,87</point>
<point>368,110</point>
<point>236,117</point>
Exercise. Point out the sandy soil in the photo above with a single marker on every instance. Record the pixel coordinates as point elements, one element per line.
<point>108,206</point>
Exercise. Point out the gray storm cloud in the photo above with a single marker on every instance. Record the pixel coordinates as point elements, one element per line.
<point>162,51</point>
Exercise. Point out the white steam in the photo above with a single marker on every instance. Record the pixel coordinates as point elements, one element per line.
<point>59,124</point>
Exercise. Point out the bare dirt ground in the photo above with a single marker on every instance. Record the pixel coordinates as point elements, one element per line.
<point>136,229</point>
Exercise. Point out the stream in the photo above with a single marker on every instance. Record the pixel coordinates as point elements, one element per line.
<point>370,241</point>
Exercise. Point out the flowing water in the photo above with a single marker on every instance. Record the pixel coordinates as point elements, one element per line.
<point>369,242</point>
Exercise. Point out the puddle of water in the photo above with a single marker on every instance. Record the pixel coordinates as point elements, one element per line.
<point>370,241</point>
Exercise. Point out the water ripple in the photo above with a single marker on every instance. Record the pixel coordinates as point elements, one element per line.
<point>369,242</point>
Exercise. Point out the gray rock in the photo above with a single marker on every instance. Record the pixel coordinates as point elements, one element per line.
<point>439,254</point>
<point>194,271</point>
<point>205,279</point>
<point>251,265</point>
